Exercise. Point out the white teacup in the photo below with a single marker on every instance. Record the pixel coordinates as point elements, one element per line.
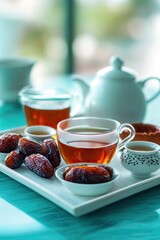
<point>39,133</point>
<point>141,158</point>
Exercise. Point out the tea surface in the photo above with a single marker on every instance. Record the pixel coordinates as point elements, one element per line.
<point>39,132</point>
<point>141,148</point>
<point>85,130</point>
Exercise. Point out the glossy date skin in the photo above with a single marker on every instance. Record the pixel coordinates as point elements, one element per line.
<point>9,142</point>
<point>52,152</point>
<point>14,159</point>
<point>109,169</point>
<point>28,147</point>
<point>39,158</point>
<point>40,165</point>
<point>87,174</point>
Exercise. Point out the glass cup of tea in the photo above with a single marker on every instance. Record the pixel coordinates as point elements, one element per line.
<point>43,106</point>
<point>91,139</point>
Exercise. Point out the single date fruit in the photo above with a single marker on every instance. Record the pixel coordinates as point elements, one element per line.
<point>88,174</point>
<point>40,165</point>
<point>14,159</point>
<point>52,152</point>
<point>28,147</point>
<point>9,142</point>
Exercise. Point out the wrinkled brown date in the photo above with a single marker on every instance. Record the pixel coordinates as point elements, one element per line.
<point>9,142</point>
<point>40,165</point>
<point>52,152</point>
<point>28,147</point>
<point>109,169</point>
<point>87,174</point>
<point>14,159</point>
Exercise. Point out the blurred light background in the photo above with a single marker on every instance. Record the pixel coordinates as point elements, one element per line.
<point>80,36</point>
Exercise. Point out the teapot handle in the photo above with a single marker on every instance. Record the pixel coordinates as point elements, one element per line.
<point>142,84</point>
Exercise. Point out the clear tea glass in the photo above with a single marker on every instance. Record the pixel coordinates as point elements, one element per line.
<point>48,106</point>
<point>91,139</point>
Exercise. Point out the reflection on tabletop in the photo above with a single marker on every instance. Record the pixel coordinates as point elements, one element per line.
<point>12,215</point>
<point>7,108</point>
<point>17,224</point>
<point>11,115</point>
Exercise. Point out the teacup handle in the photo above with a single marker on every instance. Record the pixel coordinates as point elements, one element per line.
<point>142,84</point>
<point>130,128</point>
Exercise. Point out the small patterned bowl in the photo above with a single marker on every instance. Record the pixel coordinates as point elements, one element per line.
<point>141,158</point>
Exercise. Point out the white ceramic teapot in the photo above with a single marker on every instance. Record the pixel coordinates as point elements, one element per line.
<point>116,93</point>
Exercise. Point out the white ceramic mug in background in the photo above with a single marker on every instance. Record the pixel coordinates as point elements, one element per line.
<point>14,74</point>
<point>141,158</point>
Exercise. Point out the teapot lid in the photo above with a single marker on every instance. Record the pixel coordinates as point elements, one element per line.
<point>116,71</point>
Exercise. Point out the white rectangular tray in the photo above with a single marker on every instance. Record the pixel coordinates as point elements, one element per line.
<point>79,205</point>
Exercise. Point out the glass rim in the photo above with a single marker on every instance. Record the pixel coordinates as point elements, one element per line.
<point>31,93</point>
<point>118,124</point>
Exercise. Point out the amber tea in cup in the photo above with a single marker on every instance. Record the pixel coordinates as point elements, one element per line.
<point>90,139</point>
<point>48,117</point>
<point>45,106</point>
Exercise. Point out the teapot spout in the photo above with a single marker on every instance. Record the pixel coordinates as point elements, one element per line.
<point>83,85</point>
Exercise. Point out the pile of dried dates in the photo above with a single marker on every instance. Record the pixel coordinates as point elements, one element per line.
<point>39,158</point>
<point>88,174</point>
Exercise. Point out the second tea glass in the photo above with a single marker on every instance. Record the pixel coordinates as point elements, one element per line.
<point>48,106</point>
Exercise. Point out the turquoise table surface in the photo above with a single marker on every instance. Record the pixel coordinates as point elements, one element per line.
<point>24,214</point>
